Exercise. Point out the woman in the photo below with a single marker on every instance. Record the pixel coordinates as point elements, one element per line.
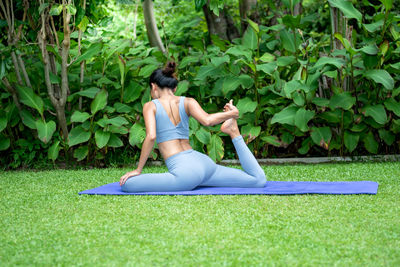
<point>167,122</point>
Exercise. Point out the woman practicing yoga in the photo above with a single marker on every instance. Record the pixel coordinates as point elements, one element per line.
<point>167,122</point>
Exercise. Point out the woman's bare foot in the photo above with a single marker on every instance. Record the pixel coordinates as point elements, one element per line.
<point>230,127</point>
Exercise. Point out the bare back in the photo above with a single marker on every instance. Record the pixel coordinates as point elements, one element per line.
<point>171,147</point>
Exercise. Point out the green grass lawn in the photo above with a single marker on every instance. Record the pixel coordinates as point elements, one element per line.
<point>45,222</point>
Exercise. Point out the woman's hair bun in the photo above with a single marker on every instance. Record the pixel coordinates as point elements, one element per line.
<point>169,69</point>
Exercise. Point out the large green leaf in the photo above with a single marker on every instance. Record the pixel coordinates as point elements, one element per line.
<point>99,102</point>
<point>117,121</point>
<point>347,8</point>
<point>291,21</point>
<point>343,100</point>
<point>116,46</point>
<point>122,108</point>
<point>215,148</point>
<point>393,105</point>
<point>90,93</point>
<point>3,120</point>
<point>56,10</point>
<point>114,141</point>
<point>350,140</point>
<point>132,92</point>
<point>83,24</point>
<point>205,71</point>
<point>370,49</point>
<point>28,119</point>
<point>29,98</point>
<point>186,60</point>
<point>334,61</point>
<point>239,50</point>
<point>305,146</point>
<point>253,25</point>
<point>267,57</point>
<point>319,101</point>
<point>53,151</point>
<point>387,136</point>
<point>216,61</point>
<point>285,60</point>
<point>4,142</point>
<point>302,118</point>
<point>81,152</point>
<point>246,105</point>
<point>387,3</point>
<point>118,129</point>
<point>285,116</point>
<point>288,41</point>
<point>183,86</point>
<point>78,135</point>
<point>370,143</point>
<point>137,133</point>
<point>380,76</point>
<point>78,116</point>
<point>268,68</point>
<point>193,124</point>
<point>321,136</point>
<point>373,27</point>
<point>293,86</point>
<point>246,81</point>
<point>249,39</point>
<point>147,70</point>
<point>251,131</point>
<point>273,140</point>
<point>101,138</point>
<point>92,51</point>
<point>287,138</point>
<point>45,130</point>
<point>231,83</point>
<point>203,135</point>
<point>377,112</point>
<point>331,116</point>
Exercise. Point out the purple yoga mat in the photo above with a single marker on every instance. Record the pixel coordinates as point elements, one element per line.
<point>271,188</point>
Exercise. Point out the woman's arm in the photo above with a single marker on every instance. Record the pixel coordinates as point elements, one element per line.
<point>196,111</point>
<point>148,143</point>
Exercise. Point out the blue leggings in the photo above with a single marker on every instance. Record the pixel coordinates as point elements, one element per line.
<point>190,168</point>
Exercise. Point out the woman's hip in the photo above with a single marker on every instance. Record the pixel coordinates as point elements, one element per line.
<point>190,162</point>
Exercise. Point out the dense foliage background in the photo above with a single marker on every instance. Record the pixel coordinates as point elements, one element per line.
<point>310,78</point>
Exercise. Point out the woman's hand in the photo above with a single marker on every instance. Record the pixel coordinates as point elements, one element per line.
<point>128,175</point>
<point>230,106</point>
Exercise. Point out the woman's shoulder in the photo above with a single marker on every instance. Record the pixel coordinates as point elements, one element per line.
<point>151,105</point>
<point>189,99</point>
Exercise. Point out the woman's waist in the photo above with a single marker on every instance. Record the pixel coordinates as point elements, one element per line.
<point>172,147</point>
<point>170,160</point>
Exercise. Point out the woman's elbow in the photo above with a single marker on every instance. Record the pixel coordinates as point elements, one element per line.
<point>207,121</point>
<point>151,137</point>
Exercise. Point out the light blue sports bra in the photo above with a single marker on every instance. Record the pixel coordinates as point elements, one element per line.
<point>165,129</point>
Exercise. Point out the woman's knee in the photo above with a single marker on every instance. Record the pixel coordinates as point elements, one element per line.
<point>125,188</point>
<point>261,179</point>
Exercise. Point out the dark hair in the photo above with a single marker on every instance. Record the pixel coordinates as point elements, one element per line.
<point>165,77</point>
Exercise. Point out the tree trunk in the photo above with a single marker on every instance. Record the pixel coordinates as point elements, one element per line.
<point>248,9</point>
<point>22,66</point>
<point>151,25</point>
<point>83,61</point>
<point>64,68</point>
<point>57,97</point>
<point>298,8</point>
<point>13,92</point>
<point>16,68</point>
<point>221,25</point>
